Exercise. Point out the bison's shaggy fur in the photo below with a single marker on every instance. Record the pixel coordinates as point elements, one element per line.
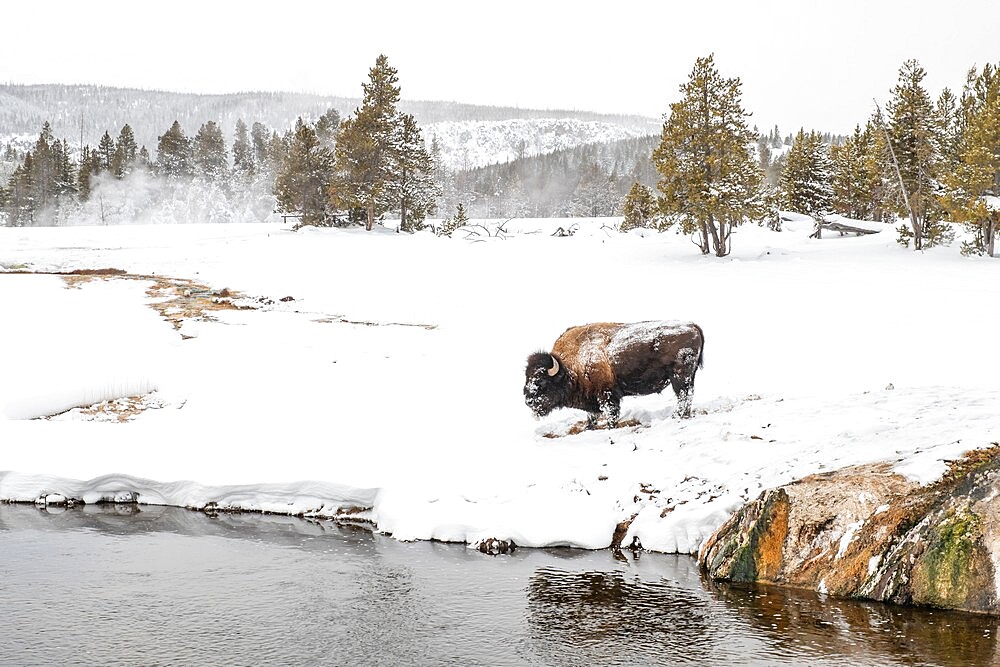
<point>592,367</point>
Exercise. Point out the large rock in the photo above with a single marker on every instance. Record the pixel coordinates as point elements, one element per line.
<point>866,532</point>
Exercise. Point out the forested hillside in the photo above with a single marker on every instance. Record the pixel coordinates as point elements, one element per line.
<point>589,180</point>
<point>470,135</point>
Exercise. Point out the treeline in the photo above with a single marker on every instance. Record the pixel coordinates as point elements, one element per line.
<point>932,163</point>
<point>327,172</point>
<point>83,112</point>
<point>49,187</point>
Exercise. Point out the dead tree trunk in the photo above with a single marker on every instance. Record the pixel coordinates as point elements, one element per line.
<point>914,221</point>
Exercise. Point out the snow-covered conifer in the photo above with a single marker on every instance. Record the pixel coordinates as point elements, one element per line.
<point>210,157</point>
<point>639,208</point>
<point>710,180</point>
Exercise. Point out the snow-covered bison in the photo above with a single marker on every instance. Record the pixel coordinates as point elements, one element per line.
<point>591,367</point>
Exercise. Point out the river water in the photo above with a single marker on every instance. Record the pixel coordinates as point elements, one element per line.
<point>126,585</point>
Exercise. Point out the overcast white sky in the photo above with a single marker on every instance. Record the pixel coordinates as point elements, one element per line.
<point>813,64</point>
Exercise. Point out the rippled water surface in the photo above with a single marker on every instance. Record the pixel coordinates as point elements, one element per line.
<point>164,586</point>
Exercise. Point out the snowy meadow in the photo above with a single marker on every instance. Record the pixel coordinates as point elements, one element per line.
<point>381,373</point>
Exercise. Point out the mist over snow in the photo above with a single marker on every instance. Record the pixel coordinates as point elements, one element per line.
<point>384,371</point>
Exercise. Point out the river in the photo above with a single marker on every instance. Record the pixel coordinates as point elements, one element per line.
<point>128,585</point>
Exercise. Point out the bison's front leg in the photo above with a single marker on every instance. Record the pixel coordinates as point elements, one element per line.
<point>610,406</point>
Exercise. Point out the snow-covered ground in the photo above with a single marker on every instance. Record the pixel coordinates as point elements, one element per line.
<point>392,379</point>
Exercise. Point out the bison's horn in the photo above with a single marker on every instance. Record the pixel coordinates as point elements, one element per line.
<point>555,368</point>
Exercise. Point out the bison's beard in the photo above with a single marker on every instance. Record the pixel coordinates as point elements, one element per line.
<point>541,400</point>
<point>539,409</point>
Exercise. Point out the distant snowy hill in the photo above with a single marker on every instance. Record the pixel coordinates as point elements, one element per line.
<point>469,144</point>
<point>470,135</point>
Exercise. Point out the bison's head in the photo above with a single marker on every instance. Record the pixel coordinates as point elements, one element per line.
<point>545,383</point>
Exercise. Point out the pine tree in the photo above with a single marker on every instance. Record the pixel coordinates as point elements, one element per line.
<point>326,127</point>
<point>639,208</point>
<point>460,219</point>
<point>304,176</point>
<point>775,138</point>
<point>260,140</point>
<point>65,172</point>
<point>277,150</point>
<point>174,157</point>
<point>415,187</point>
<point>43,173</point>
<point>595,194</point>
<point>19,199</point>
<point>364,153</point>
<point>243,162</point>
<point>709,178</point>
<point>911,126</point>
<point>143,160</point>
<point>973,187</point>
<point>106,151</point>
<point>210,158</point>
<point>83,177</point>
<point>947,131</point>
<point>857,174</point>
<point>125,152</point>
<point>806,182</point>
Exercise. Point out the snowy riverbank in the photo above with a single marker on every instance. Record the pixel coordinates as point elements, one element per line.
<point>391,380</point>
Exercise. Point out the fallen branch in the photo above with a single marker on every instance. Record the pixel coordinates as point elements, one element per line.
<point>842,228</point>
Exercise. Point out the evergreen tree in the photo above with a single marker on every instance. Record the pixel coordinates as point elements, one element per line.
<point>415,187</point>
<point>595,194</point>
<point>277,150</point>
<point>326,127</point>
<point>709,178</point>
<point>210,158</point>
<point>973,187</point>
<point>106,151</point>
<point>857,174</point>
<point>639,208</point>
<point>126,152</point>
<point>775,138</point>
<point>460,219</point>
<point>304,175</point>
<point>911,127</point>
<point>260,141</point>
<point>83,178</point>
<point>43,173</point>
<point>143,160</point>
<point>174,158</point>
<point>806,182</point>
<point>65,172</point>
<point>243,161</point>
<point>364,154</point>
<point>19,199</point>
<point>947,131</point>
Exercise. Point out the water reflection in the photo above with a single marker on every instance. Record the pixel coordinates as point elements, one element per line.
<point>811,624</point>
<point>123,585</point>
<point>592,611</point>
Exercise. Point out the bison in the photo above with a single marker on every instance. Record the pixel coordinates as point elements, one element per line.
<point>591,367</point>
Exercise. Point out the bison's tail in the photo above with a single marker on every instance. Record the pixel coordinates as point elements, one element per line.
<point>701,350</point>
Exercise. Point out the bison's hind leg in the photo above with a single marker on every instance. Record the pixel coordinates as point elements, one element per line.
<point>682,381</point>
